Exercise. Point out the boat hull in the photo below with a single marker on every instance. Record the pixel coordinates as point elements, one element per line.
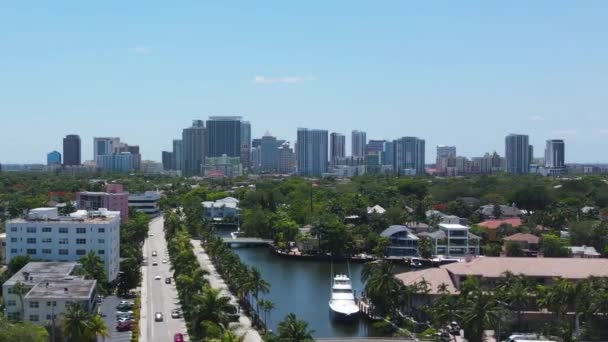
<point>340,316</point>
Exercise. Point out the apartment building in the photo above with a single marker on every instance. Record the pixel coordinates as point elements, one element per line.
<point>45,235</point>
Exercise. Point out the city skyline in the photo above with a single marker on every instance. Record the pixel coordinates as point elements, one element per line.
<point>401,69</point>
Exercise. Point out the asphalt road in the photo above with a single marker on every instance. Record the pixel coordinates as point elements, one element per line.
<point>156,295</point>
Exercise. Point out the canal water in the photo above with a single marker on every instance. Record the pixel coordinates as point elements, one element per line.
<point>304,288</point>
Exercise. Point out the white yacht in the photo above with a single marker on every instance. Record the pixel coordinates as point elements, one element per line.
<point>342,303</point>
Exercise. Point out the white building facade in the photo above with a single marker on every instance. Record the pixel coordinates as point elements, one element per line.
<point>44,235</point>
<point>146,202</point>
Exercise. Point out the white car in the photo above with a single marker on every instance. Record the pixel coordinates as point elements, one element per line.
<point>157,277</point>
<point>164,261</point>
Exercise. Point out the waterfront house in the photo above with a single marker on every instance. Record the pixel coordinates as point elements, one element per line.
<point>505,211</point>
<point>587,252</point>
<point>443,218</point>
<point>403,241</point>
<point>453,241</point>
<point>222,209</point>
<point>491,226</point>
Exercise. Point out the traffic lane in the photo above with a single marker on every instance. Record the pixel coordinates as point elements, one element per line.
<point>108,311</point>
<point>163,297</point>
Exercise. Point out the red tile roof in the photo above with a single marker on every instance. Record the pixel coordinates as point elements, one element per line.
<point>493,224</point>
<point>522,237</point>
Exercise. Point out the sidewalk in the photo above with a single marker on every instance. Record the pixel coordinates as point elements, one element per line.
<point>243,327</point>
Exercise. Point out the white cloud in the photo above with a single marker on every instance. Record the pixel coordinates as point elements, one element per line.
<point>564,132</point>
<point>142,50</point>
<point>283,80</point>
<point>536,118</point>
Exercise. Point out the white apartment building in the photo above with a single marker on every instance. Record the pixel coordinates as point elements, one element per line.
<point>44,235</point>
<point>48,288</point>
<point>146,202</point>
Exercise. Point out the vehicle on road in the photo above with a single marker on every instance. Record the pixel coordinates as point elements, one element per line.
<point>164,261</point>
<point>176,313</point>
<point>168,280</point>
<point>157,277</point>
<point>158,316</point>
<point>154,263</point>
<point>154,253</point>
<point>179,337</point>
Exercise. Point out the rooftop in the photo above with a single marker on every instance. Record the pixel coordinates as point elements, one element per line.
<point>51,215</point>
<point>433,276</point>
<point>523,237</point>
<point>390,231</point>
<point>37,271</point>
<point>452,226</point>
<point>568,268</point>
<point>494,224</point>
<point>72,287</point>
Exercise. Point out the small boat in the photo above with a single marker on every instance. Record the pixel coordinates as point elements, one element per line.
<point>236,234</point>
<point>342,303</point>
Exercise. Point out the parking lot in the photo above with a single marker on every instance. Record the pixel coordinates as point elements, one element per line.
<point>108,310</point>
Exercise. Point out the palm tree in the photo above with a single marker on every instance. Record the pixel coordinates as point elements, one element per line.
<point>381,286</point>
<point>228,336</point>
<point>211,306</point>
<point>292,329</point>
<point>98,327</point>
<point>76,323</point>
<point>266,306</point>
<point>258,284</point>
<point>516,290</point>
<point>19,289</point>
<point>480,310</point>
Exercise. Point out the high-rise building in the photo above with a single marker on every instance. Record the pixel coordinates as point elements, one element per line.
<point>358,143</point>
<point>224,136</point>
<point>53,158</point>
<point>517,152</point>
<point>194,148</point>
<point>177,162</point>
<point>245,143</point>
<point>104,146</point>
<point>375,146</point>
<point>167,160</point>
<point>257,142</point>
<point>286,159</point>
<point>531,154</point>
<point>71,150</point>
<point>269,153</point>
<point>388,153</point>
<point>337,150</point>
<point>409,156</point>
<point>312,152</point>
<point>444,153</point>
<point>555,152</point>
<point>256,158</point>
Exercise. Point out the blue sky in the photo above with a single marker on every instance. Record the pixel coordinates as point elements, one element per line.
<point>452,72</point>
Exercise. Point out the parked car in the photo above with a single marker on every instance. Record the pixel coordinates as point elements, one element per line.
<point>154,263</point>
<point>179,337</point>
<point>154,253</point>
<point>157,277</point>
<point>158,316</point>
<point>168,280</point>
<point>126,326</point>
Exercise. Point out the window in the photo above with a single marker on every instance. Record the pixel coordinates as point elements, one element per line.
<point>47,240</point>
<point>101,252</point>
<point>33,305</point>
<point>53,303</point>
<point>101,241</point>
<point>14,239</point>
<point>81,230</point>
<point>13,229</point>
<point>13,250</point>
<point>31,229</point>
<point>81,241</point>
<point>63,241</point>
<point>63,230</point>
<point>33,318</point>
<point>101,230</point>
<point>31,251</point>
<point>81,252</point>
<point>31,240</point>
<point>63,252</point>
<point>11,302</point>
<point>46,251</point>
<point>47,229</point>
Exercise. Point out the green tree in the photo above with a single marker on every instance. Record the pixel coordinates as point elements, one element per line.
<point>553,246</point>
<point>381,286</point>
<point>513,249</point>
<point>94,268</point>
<point>293,329</point>
<point>77,324</point>
<point>425,247</point>
<point>22,332</point>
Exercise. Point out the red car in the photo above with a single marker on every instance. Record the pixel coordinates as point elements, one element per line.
<point>178,337</point>
<point>124,326</point>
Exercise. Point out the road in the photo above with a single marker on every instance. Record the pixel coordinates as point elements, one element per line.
<point>156,295</point>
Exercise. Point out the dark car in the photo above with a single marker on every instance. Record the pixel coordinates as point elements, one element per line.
<point>178,337</point>
<point>158,317</point>
<point>167,280</point>
<point>124,326</point>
